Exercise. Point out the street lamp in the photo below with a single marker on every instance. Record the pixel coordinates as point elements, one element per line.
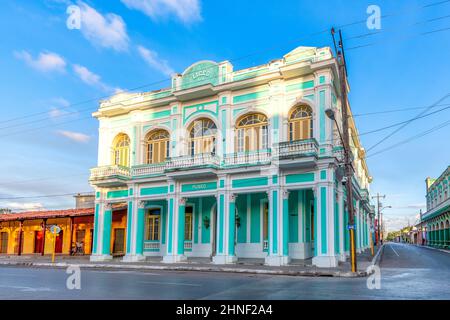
<point>380,231</point>
<point>348,173</point>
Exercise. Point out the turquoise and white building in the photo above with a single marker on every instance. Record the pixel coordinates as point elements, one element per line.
<point>231,164</point>
<point>436,220</point>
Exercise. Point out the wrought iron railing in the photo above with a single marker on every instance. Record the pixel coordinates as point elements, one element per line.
<point>248,158</point>
<point>307,147</point>
<point>197,160</point>
<point>110,171</point>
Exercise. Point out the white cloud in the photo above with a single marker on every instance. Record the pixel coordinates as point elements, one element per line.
<point>45,62</point>
<point>17,206</point>
<point>74,136</point>
<point>152,59</point>
<point>187,11</point>
<point>90,77</point>
<point>107,30</point>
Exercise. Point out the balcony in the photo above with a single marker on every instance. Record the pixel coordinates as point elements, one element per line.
<point>204,164</point>
<point>146,170</point>
<point>247,158</point>
<point>296,153</point>
<point>110,176</point>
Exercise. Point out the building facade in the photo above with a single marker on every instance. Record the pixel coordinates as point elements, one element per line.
<point>231,164</point>
<point>437,218</point>
<point>27,233</point>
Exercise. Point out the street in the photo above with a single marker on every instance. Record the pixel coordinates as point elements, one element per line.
<point>407,272</point>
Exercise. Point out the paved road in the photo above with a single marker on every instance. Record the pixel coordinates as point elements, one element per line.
<point>407,272</point>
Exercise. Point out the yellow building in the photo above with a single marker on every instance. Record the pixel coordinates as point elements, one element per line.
<point>29,232</point>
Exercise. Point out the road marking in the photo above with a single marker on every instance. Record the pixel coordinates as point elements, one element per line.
<point>173,283</point>
<point>394,251</point>
<point>29,289</point>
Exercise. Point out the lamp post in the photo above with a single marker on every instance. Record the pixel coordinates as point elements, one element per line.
<point>348,172</point>
<point>380,216</point>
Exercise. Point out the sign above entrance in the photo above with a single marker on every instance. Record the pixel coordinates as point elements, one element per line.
<point>201,73</point>
<point>55,229</point>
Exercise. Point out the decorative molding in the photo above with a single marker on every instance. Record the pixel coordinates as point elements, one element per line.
<point>141,204</point>
<point>182,201</point>
<point>107,206</point>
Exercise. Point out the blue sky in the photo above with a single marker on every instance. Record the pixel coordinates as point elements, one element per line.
<point>49,69</point>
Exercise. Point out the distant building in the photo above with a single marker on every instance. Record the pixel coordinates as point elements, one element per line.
<point>84,201</point>
<point>28,232</point>
<point>436,220</point>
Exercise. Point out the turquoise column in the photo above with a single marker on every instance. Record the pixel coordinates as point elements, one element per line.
<point>323,219</point>
<point>129,225</point>
<point>170,217</point>
<point>232,225</point>
<point>274,212</point>
<point>221,224</point>
<point>181,222</point>
<point>447,237</point>
<point>107,221</point>
<point>140,228</point>
<point>285,223</point>
<point>96,222</point>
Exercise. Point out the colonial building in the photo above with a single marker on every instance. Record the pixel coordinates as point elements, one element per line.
<point>231,164</point>
<point>437,217</point>
<point>27,233</point>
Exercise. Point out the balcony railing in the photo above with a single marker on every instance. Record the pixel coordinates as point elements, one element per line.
<point>110,172</point>
<point>187,245</point>
<point>289,149</point>
<point>148,169</point>
<point>283,150</point>
<point>152,245</point>
<point>197,160</point>
<point>248,158</point>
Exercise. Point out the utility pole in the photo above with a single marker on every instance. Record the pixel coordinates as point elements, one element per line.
<point>378,196</point>
<point>346,141</point>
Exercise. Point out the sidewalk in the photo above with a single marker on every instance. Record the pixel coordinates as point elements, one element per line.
<point>252,266</point>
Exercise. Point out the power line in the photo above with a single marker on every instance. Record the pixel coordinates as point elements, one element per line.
<point>420,135</point>
<point>46,196</point>
<point>403,122</point>
<point>395,110</point>
<point>407,122</point>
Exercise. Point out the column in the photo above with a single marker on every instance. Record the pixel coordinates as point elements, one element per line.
<point>175,229</point>
<point>181,225</point>
<point>278,227</point>
<point>102,232</point>
<point>226,224</point>
<point>325,255</point>
<point>135,231</point>
<point>342,224</point>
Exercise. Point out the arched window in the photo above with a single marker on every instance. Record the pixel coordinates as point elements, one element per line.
<point>300,123</point>
<point>202,136</point>
<point>121,150</point>
<point>251,133</point>
<point>157,146</point>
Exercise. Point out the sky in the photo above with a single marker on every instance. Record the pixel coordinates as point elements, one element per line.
<point>52,77</point>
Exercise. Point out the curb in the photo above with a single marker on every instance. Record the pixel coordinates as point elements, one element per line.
<point>377,258</point>
<point>432,248</point>
<point>186,268</point>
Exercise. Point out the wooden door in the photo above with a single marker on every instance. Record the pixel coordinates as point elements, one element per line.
<point>38,241</point>
<point>119,241</point>
<point>17,240</point>
<point>4,242</point>
<point>59,242</point>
